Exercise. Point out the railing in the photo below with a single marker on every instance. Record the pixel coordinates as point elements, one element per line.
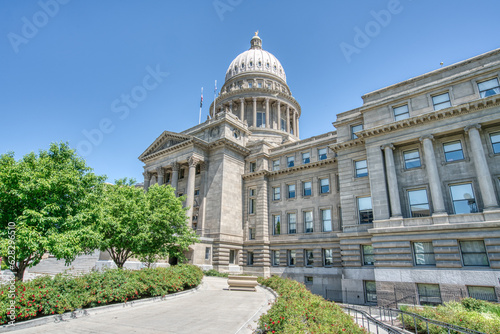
<point>408,320</point>
<point>372,325</point>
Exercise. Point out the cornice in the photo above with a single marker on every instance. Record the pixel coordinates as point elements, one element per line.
<point>312,141</point>
<point>161,139</point>
<point>169,150</point>
<point>347,144</point>
<point>290,169</point>
<point>461,109</point>
<point>229,143</point>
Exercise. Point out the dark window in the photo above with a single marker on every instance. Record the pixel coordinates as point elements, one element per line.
<point>429,294</point>
<point>365,210</point>
<point>354,129</point>
<point>291,257</point>
<point>306,186</point>
<point>276,224</point>
<point>327,257</point>
<point>251,233</point>
<point>253,166</point>
<point>207,253</point>
<point>250,258</point>
<point>322,154</point>
<point>292,223</point>
<point>308,221</point>
<point>261,119</point>
<point>424,254</point>
<point>290,161</point>
<point>453,151</point>
<point>324,186</point>
<point>276,258</point>
<point>198,169</point>
<point>474,253</point>
<point>309,257</point>
<point>482,292</point>
<point>291,191</point>
<point>276,194</point>
<point>232,256</point>
<point>412,159</point>
<point>181,173</point>
<point>371,292</point>
<point>368,257</point>
<point>306,158</point>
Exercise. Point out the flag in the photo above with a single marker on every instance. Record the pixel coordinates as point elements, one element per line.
<point>201,101</point>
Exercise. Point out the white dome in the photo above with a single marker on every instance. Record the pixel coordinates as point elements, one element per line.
<point>256,60</point>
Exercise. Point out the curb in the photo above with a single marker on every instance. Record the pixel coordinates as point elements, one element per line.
<point>255,317</point>
<point>80,313</point>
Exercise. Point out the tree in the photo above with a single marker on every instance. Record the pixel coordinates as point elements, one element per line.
<point>49,201</point>
<point>147,225</point>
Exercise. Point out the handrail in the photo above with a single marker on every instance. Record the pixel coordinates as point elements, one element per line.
<point>378,323</point>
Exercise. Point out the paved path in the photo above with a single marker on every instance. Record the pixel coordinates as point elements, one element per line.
<point>212,309</point>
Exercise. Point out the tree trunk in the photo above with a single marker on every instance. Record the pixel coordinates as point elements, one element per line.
<point>21,267</point>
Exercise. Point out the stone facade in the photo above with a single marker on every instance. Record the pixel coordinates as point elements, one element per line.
<point>401,199</point>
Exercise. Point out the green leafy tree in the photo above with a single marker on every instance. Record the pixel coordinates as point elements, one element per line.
<point>147,225</point>
<point>51,197</point>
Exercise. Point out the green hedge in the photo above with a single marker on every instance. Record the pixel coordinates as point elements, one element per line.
<point>46,295</point>
<point>297,310</point>
<point>469,313</point>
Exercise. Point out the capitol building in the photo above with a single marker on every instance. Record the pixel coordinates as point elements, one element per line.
<point>400,200</point>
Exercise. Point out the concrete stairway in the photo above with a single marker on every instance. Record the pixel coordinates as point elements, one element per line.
<point>52,266</point>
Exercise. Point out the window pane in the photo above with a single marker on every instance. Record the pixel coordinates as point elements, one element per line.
<point>306,158</point>
<point>463,198</point>
<point>365,203</point>
<point>361,168</point>
<point>327,220</point>
<point>455,146</point>
<point>291,161</point>
<point>482,292</point>
<point>292,223</point>
<point>307,188</point>
<point>474,253</point>
<point>419,206</point>
<point>291,191</point>
<point>429,294</point>
<point>325,185</point>
<point>371,291</point>
<point>322,154</point>
<point>440,98</point>
<point>356,128</point>
<point>368,257</point>
<point>488,88</point>
<point>309,257</point>
<point>328,256</point>
<point>401,112</point>
<point>495,141</point>
<point>424,253</point>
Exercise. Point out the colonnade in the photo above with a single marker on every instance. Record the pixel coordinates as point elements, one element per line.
<point>478,156</point>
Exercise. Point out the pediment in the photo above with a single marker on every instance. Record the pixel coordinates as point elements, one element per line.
<point>166,140</point>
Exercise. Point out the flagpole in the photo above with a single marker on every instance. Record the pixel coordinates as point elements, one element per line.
<point>215,95</point>
<point>201,105</point>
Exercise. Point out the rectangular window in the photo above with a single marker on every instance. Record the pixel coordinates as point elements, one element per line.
<point>324,186</point>
<point>361,168</point>
<point>292,257</point>
<point>181,173</point>
<point>309,257</point>
<point>370,292</point>
<point>250,258</point>
<point>308,280</point>
<point>306,158</point>
<point>276,193</point>
<point>474,253</point>
<point>429,294</point>
<point>251,233</point>
<point>483,293</point>
<point>276,224</point>
<point>495,141</point>
<point>412,159</point>
<point>368,257</point>
<point>276,165</point>
<point>198,169</point>
<point>419,203</point>
<point>197,192</point>
<point>322,154</point>
<point>253,166</point>
<point>276,258</point>
<point>308,221</point>
<point>291,191</point>
<point>251,206</point>
<point>259,84</point>
<point>292,223</point>
<point>207,253</point>
<point>365,211</point>
<point>290,161</point>
<point>488,88</point>
<point>354,129</point>
<point>306,186</point>
<point>326,217</point>
<point>261,119</point>
<point>327,257</point>
<point>283,125</point>
<point>251,192</point>
<point>424,254</point>
<point>232,256</point>
<point>441,101</point>
<point>463,199</point>
<point>167,178</point>
<point>250,85</point>
<point>453,151</point>
<point>401,112</point>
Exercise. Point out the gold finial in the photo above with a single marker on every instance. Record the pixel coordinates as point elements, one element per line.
<point>257,33</point>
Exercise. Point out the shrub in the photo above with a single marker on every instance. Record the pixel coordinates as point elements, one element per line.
<point>213,272</point>
<point>297,310</point>
<point>46,295</point>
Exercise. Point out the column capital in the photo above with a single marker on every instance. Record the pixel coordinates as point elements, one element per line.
<point>421,139</point>
<point>159,170</point>
<point>175,166</point>
<point>472,126</point>
<point>242,100</point>
<point>146,174</point>
<point>383,147</point>
<point>193,161</point>
<point>254,99</point>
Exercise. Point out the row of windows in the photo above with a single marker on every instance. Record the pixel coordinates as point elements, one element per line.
<point>473,253</point>
<point>305,158</point>
<point>291,223</point>
<point>429,294</point>
<point>323,188</point>
<point>291,257</point>
<point>181,175</point>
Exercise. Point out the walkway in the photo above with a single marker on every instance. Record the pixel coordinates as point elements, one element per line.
<point>212,309</point>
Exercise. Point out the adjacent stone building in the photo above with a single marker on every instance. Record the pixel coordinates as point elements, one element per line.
<point>400,202</point>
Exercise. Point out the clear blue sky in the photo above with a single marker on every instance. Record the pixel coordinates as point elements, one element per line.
<point>65,68</point>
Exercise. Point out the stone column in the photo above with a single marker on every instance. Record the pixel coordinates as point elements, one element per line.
<point>278,111</point>
<point>254,112</point>
<point>297,124</point>
<point>146,180</point>
<point>203,187</point>
<point>190,188</point>
<point>287,118</point>
<point>159,171</point>
<point>294,123</point>
<point>267,114</point>
<point>392,181</point>
<point>242,109</point>
<point>481,165</point>
<point>433,175</point>
<point>231,107</point>
<point>175,176</point>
